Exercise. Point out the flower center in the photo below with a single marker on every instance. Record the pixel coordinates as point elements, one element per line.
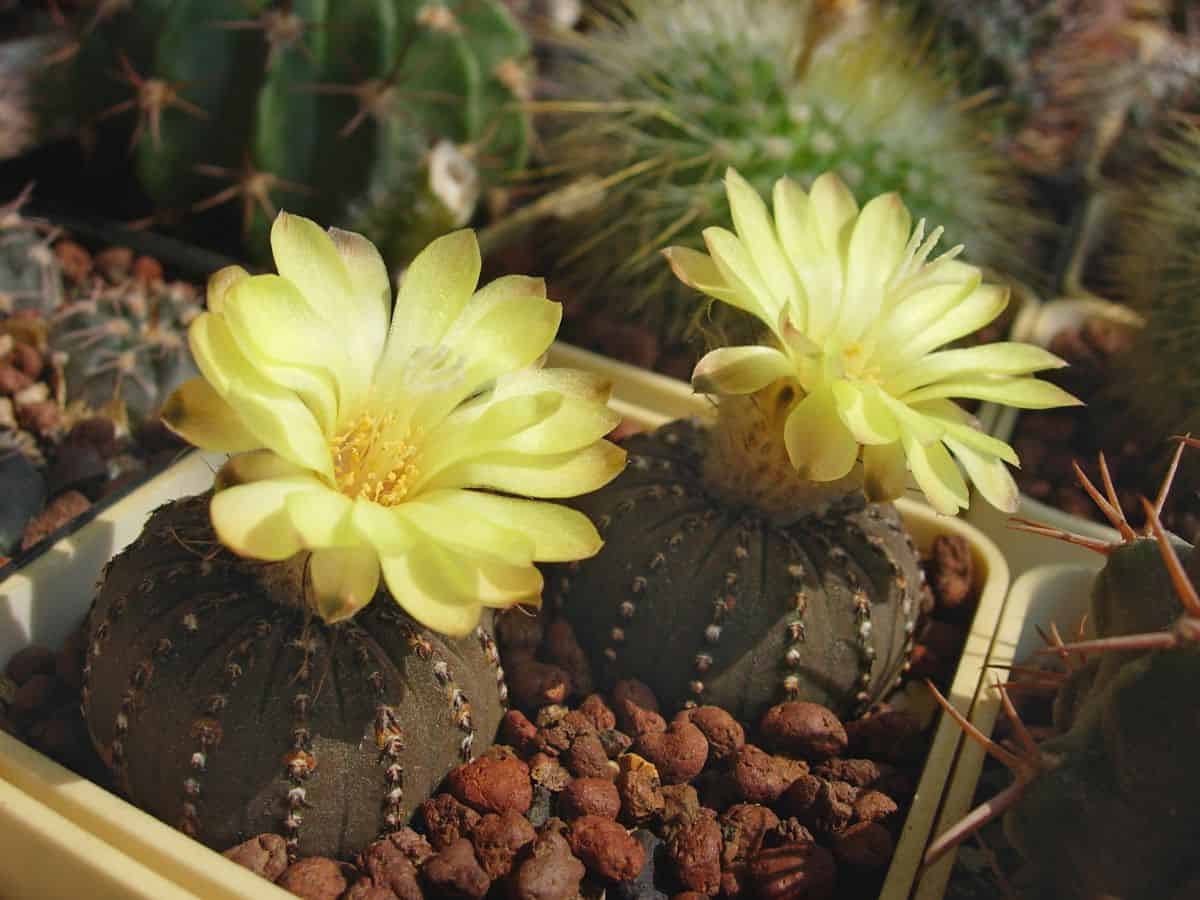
<point>370,464</point>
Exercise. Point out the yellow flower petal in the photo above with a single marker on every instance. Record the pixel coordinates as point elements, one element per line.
<point>1025,393</point>
<point>444,524</point>
<point>200,416</point>
<point>306,257</point>
<point>885,472</point>
<point>383,529</point>
<point>423,583</point>
<point>864,412</point>
<point>559,533</point>
<point>819,271</point>
<point>989,475</point>
<point>555,475</point>
<point>252,519</point>
<point>737,269</point>
<point>757,233</point>
<point>937,476</point>
<point>219,284</point>
<point>342,581</point>
<point>480,428</point>
<point>434,291</point>
<point>273,414</point>
<point>963,428</point>
<point>290,345</point>
<point>369,305</point>
<point>834,209</point>
<point>257,465</point>
<point>581,418</point>
<point>323,519</point>
<point>983,304</point>
<point>1001,358</point>
<point>877,244</point>
<point>739,370</point>
<point>493,336</point>
<point>818,444</point>
<point>698,271</point>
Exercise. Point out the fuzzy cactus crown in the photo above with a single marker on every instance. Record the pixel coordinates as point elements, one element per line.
<point>404,442</point>
<point>856,313</point>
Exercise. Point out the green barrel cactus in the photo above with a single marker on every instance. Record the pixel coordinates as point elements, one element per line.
<point>662,99</point>
<point>331,109</point>
<point>759,559</point>
<point>1110,803</point>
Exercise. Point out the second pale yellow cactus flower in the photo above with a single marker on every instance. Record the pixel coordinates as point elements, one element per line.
<point>403,442</point>
<point>857,314</point>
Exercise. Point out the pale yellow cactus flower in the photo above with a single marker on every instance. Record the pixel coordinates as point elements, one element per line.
<point>857,313</point>
<point>403,441</point>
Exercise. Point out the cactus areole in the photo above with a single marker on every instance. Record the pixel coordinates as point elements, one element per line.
<point>758,559</point>
<point>307,649</point>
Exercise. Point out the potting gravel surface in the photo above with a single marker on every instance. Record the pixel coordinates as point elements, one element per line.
<point>588,792</point>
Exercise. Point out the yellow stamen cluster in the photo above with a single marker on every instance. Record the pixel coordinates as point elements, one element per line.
<point>367,465</point>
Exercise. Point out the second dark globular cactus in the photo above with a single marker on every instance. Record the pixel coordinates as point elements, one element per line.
<point>717,604</point>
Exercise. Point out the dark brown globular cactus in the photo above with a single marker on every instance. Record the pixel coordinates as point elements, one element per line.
<point>226,714</point>
<point>716,603</point>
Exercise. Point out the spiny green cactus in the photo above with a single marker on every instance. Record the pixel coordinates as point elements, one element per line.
<point>124,340</point>
<point>662,100</point>
<point>1110,805</point>
<point>327,107</point>
<point>1156,271</point>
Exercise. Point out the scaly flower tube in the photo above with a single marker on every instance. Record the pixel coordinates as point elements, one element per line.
<point>403,441</point>
<point>857,314</point>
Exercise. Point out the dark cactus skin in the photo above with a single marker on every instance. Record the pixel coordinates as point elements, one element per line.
<point>226,714</point>
<point>1115,808</point>
<point>716,604</point>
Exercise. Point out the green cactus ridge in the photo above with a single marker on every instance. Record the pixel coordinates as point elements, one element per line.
<point>662,101</point>
<point>329,108</point>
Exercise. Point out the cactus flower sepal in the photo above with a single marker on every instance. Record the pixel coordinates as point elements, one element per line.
<point>856,316</point>
<point>403,442</point>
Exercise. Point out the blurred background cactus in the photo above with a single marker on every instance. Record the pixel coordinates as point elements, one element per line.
<point>388,117</point>
<point>661,97</point>
<point>1080,79</point>
<point>1155,269</point>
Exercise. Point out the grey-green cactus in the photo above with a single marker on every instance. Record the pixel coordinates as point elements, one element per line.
<point>124,341</point>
